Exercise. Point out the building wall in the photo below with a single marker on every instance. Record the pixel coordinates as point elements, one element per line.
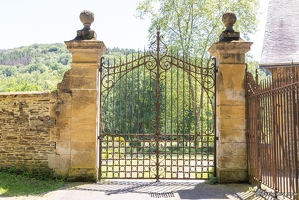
<point>27,121</point>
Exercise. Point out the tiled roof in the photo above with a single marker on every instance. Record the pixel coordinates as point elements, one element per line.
<point>281,39</point>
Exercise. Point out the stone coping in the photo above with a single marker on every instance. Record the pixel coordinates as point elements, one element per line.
<point>28,94</point>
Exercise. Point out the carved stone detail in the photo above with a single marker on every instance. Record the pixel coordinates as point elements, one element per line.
<point>86,17</point>
<point>229,19</point>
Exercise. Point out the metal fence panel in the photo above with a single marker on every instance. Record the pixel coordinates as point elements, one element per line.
<point>272,131</point>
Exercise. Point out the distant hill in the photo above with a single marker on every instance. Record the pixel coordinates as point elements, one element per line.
<point>26,55</point>
<point>38,67</point>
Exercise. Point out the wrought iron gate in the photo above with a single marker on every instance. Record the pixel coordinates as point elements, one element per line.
<point>157,116</point>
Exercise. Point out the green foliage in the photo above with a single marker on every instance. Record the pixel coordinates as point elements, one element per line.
<point>213,180</point>
<point>40,173</point>
<point>17,181</point>
<point>38,67</point>
<point>261,74</point>
<point>129,106</point>
<point>192,26</point>
<point>12,185</point>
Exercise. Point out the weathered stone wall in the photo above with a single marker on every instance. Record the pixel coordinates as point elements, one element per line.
<point>26,123</point>
<point>58,130</point>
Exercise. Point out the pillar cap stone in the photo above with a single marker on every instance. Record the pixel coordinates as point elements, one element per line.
<point>234,47</point>
<point>85,45</point>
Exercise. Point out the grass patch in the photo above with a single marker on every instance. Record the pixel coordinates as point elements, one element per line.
<point>22,185</point>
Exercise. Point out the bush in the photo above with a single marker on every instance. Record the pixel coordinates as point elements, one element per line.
<point>39,173</point>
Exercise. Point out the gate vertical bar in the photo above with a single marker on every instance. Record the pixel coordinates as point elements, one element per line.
<point>158,106</point>
<point>100,117</point>
<point>215,114</point>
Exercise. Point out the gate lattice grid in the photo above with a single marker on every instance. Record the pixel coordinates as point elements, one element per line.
<point>157,116</point>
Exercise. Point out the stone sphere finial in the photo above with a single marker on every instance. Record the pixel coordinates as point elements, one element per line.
<point>86,17</point>
<point>229,19</point>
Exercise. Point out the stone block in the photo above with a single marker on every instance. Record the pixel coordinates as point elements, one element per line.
<point>65,161</point>
<point>233,136</point>
<point>83,126</point>
<point>84,134</point>
<point>53,160</point>
<point>81,82</point>
<point>83,98</point>
<point>83,147</point>
<point>52,111</point>
<point>35,122</point>
<point>83,174</point>
<point>231,77</point>
<point>232,58</point>
<point>63,147</point>
<point>233,162</point>
<point>226,51</point>
<point>85,57</point>
<point>232,124</point>
<point>233,149</point>
<point>84,70</point>
<point>84,116</point>
<point>83,160</point>
<point>63,166</point>
<point>64,133</point>
<point>232,175</point>
<point>53,134</point>
<point>232,111</point>
<point>231,98</point>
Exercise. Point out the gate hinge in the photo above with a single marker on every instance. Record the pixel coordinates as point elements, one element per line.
<point>101,64</point>
<point>216,138</point>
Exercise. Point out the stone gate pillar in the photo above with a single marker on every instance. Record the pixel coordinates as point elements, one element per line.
<point>231,157</point>
<point>78,107</point>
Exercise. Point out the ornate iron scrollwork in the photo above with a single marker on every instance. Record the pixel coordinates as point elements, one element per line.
<point>153,102</point>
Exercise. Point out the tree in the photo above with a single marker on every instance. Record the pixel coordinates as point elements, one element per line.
<point>192,26</point>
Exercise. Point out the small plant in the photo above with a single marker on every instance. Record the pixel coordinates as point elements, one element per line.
<point>213,180</point>
<point>251,189</point>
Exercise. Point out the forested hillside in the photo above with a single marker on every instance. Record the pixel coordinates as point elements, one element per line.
<point>38,67</point>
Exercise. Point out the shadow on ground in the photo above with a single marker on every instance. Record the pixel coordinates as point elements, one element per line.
<point>172,189</point>
<point>146,190</point>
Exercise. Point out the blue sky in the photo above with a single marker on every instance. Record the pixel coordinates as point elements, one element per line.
<point>25,22</point>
